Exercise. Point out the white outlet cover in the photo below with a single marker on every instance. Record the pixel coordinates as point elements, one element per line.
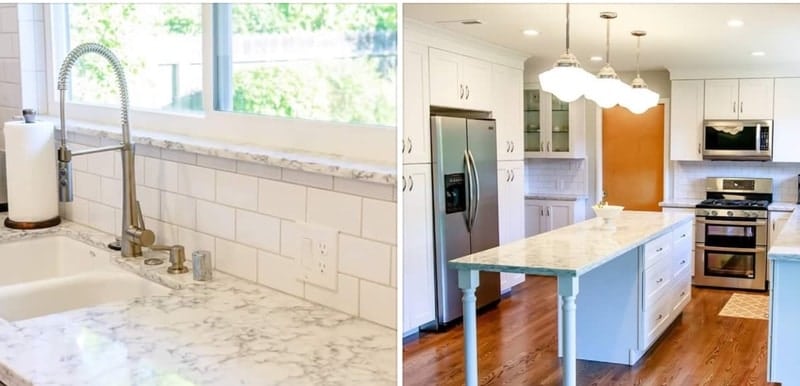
<point>322,267</point>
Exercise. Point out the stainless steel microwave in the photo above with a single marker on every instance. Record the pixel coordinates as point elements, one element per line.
<point>737,140</point>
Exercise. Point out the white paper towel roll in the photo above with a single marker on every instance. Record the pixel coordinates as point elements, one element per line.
<point>31,171</point>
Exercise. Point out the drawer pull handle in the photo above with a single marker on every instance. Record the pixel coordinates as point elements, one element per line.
<point>683,293</point>
<point>660,249</point>
<point>683,261</point>
<point>659,317</point>
<point>661,279</point>
<point>683,235</point>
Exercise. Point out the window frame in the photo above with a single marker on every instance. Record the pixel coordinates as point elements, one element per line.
<point>346,141</point>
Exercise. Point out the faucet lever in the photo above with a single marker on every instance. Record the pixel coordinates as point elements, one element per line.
<point>177,257</point>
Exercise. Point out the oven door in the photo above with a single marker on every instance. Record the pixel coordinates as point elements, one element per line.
<point>731,234</point>
<point>731,267</point>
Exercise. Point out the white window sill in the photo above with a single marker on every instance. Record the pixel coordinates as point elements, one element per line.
<point>339,166</point>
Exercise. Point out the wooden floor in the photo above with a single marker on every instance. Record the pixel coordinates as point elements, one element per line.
<point>517,345</point>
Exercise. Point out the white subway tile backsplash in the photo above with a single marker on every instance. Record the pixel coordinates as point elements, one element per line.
<point>196,241</point>
<point>102,163</point>
<point>102,217</point>
<point>86,185</point>
<point>309,179</point>
<point>8,19</point>
<point>378,303</point>
<point>10,95</point>
<point>258,230</point>
<point>279,272</point>
<point>258,170</point>
<point>216,163</point>
<point>166,234</point>
<point>148,151</point>
<point>237,190</point>
<point>364,189</point>
<point>196,181</point>
<point>215,219</point>
<point>236,259</point>
<point>161,174</point>
<point>281,199</point>
<point>345,299</point>
<point>178,209</point>
<point>365,259</point>
<point>689,177</point>
<point>9,45</point>
<point>393,264</point>
<point>77,210</point>
<point>379,221</point>
<point>150,201</point>
<point>111,192</point>
<point>291,233</point>
<point>10,70</point>
<point>178,156</point>
<point>335,210</point>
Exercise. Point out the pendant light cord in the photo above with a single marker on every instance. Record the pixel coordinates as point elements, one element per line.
<point>608,41</point>
<point>638,42</point>
<point>568,28</point>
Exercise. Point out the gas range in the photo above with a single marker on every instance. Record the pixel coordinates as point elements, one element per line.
<point>715,207</point>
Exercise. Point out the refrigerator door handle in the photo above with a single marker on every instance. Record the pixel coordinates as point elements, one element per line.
<point>470,197</point>
<point>477,185</point>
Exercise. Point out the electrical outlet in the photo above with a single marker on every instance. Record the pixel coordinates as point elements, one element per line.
<point>318,257</point>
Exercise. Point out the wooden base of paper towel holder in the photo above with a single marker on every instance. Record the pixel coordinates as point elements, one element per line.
<point>32,224</point>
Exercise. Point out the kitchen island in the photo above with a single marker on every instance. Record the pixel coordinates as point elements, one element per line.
<point>226,331</point>
<point>635,281</point>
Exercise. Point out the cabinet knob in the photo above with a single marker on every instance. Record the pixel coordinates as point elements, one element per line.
<point>660,316</point>
<point>683,261</point>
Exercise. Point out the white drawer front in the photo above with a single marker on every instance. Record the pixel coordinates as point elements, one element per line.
<point>656,280</point>
<point>657,249</point>
<point>682,263</point>
<point>656,319</point>
<point>683,237</point>
<point>681,292</point>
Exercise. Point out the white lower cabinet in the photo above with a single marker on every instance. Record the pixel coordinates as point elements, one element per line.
<point>510,212</point>
<point>418,276</point>
<point>546,215</point>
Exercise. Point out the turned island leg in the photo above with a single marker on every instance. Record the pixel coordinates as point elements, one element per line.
<point>567,290</point>
<point>468,281</point>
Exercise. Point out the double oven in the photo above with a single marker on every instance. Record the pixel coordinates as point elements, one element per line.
<point>731,233</point>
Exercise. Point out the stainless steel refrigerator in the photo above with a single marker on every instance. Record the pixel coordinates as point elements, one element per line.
<point>464,167</point>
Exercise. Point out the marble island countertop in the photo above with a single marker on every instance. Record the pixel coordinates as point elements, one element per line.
<point>574,249</point>
<point>223,332</point>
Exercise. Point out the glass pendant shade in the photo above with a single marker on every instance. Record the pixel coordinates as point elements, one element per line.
<point>607,90</point>
<point>567,80</point>
<point>640,98</point>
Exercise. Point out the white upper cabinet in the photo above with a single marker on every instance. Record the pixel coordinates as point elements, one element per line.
<point>507,111</point>
<point>738,98</point>
<point>686,120</point>
<point>460,82</point>
<point>416,140</point>
<point>786,123</point>
<point>554,129</point>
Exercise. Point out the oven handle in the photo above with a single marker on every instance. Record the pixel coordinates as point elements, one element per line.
<point>734,250</point>
<point>734,223</point>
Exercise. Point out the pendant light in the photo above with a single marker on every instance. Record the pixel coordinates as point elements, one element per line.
<point>567,80</point>
<point>640,98</point>
<point>607,90</point>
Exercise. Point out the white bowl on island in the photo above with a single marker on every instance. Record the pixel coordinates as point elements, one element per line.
<point>608,213</point>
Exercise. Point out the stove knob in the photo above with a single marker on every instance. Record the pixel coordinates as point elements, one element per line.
<point>713,212</point>
<point>730,214</point>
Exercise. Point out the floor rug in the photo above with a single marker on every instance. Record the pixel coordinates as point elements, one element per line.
<point>747,306</point>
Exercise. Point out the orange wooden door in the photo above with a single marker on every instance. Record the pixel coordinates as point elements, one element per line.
<point>633,157</point>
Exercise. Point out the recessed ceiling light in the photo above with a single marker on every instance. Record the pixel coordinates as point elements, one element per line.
<point>596,58</point>
<point>530,32</point>
<point>758,53</point>
<point>736,23</point>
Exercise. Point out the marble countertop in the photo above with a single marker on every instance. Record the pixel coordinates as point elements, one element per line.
<point>328,164</point>
<point>555,196</point>
<point>574,249</point>
<point>680,203</point>
<point>787,244</point>
<point>782,206</point>
<point>223,332</point>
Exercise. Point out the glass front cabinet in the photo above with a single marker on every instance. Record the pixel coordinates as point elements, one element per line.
<point>553,129</point>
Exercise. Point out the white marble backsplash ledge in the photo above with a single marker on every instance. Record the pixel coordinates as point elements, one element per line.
<point>328,164</point>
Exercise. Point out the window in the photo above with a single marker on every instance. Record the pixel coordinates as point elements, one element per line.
<point>162,46</point>
<point>330,62</point>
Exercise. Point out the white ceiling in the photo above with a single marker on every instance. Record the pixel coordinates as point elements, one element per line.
<point>679,36</point>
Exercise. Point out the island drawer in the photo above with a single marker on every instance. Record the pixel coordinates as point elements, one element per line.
<point>681,292</point>
<point>656,281</point>
<point>681,262</point>
<point>657,249</point>
<point>656,318</point>
<point>682,237</point>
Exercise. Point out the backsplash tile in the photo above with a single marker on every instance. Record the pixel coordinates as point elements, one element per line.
<point>689,177</point>
<point>563,176</point>
<point>251,220</point>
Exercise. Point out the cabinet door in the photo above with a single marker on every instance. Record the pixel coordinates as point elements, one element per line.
<point>534,218</point>
<point>560,215</point>
<point>722,99</point>
<point>418,276</point>
<point>786,125</point>
<point>511,211</point>
<point>686,120</point>
<point>476,76</point>
<point>532,120</point>
<point>755,98</point>
<point>777,220</point>
<point>508,111</point>
<point>446,88</point>
<point>416,110</point>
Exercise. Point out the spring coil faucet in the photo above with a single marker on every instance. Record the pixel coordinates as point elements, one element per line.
<point>134,234</point>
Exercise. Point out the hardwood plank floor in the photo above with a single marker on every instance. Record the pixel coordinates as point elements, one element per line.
<point>517,345</point>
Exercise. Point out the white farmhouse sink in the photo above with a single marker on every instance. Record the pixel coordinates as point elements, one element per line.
<point>55,274</point>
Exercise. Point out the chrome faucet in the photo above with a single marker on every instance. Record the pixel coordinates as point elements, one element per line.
<point>134,234</point>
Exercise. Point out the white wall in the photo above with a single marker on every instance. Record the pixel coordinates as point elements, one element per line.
<point>689,177</point>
